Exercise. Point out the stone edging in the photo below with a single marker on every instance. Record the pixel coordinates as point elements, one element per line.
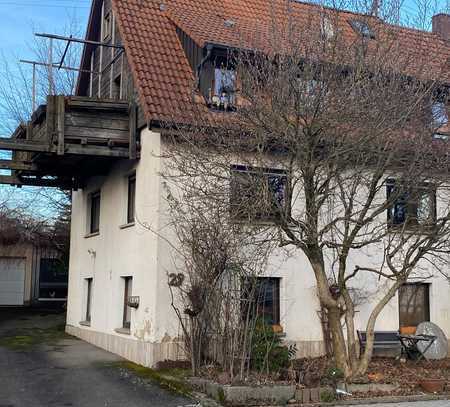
<point>378,400</point>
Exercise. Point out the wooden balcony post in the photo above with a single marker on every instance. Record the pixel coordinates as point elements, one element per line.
<point>60,124</point>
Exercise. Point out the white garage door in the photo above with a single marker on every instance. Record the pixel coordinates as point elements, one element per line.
<point>12,280</point>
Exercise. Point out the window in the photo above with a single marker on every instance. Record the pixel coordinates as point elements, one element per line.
<point>53,277</point>
<point>261,299</point>
<point>411,206</point>
<point>128,285</point>
<point>88,299</point>
<point>107,26</point>
<point>362,28</point>
<point>259,193</point>
<point>94,219</point>
<point>414,304</point>
<point>439,111</point>
<point>440,114</point>
<point>131,203</point>
<point>224,89</point>
<point>117,87</point>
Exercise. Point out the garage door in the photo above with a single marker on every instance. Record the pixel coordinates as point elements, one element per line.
<point>12,280</point>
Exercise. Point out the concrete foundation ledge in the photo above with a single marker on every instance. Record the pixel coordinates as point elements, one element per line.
<point>147,354</point>
<point>394,400</point>
<point>245,395</point>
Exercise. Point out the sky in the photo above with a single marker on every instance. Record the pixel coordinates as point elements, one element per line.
<point>18,17</point>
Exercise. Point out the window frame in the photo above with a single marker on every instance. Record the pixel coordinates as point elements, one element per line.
<point>257,300</point>
<point>88,310</point>
<point>127,291</point>
<point>272,217</point>
<point>427,306</point>
<point>216,101</point>
<point>94,217</point>
<point>131,199</point>
<point>411,218</point>
<point>439,111</point>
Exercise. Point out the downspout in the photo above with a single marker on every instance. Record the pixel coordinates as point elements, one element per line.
<point>209,48</point>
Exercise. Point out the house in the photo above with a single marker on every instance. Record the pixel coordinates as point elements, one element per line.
<point>106,143</point>
<point>31,270</point>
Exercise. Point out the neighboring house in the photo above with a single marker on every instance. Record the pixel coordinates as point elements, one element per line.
<point>31,271</point>
<point>109,154</point>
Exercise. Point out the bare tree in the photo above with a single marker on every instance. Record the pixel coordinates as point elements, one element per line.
<point>16,104</point>
<point>213,258</point>
<point>328,136</point>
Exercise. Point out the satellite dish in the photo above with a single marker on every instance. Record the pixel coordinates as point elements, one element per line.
<point>439,348</point>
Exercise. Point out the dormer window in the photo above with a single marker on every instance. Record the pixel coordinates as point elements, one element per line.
<point>362,28</point>
<point>223,95</point>
<point>440,114</point>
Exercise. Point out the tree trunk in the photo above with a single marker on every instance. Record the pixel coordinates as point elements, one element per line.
<point>367,355</point>
<point>338,341</point>
<point>350,323</point>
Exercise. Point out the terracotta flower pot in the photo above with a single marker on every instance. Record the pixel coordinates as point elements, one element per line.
<point>432,385</point>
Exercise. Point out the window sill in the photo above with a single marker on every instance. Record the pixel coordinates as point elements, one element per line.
<point>89,235</point>
<point>85,323</point>
<point>127,225</point>
<point>124,331</point>
<point>411,229</point>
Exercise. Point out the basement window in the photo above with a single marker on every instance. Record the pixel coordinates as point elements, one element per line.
<point>128,285</point>
<point>88,300</point>
<point>258,194</point>
<point>411,206</point>
<point>261,299</point>
<point>363,28</point>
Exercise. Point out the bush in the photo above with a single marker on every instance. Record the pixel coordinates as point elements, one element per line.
<point>327,396</point>
<point>267,351</point>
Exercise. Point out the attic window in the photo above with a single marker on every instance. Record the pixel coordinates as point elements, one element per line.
<point>440,114</point>
<point>362,28</point>
<point>224,89</point>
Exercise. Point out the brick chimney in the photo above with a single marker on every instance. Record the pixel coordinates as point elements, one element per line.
<point>441,26</point>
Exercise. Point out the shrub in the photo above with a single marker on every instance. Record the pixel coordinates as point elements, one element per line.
<point>267,351</point>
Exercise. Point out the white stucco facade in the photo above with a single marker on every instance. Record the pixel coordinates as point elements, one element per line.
<point>136,251</point>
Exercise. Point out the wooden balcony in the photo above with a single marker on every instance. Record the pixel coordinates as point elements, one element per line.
<point>68,140</point>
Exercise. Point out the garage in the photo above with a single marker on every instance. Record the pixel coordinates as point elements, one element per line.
<point>12,281</point>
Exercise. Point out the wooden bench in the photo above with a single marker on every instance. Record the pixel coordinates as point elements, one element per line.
<point>385,342</point>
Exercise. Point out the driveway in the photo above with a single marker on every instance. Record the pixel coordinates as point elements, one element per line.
<point>40,366</point>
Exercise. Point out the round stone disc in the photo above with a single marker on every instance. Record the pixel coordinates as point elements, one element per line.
<point>439,348</point>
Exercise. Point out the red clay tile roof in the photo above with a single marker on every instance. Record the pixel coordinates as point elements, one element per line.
<point>162,72</point>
